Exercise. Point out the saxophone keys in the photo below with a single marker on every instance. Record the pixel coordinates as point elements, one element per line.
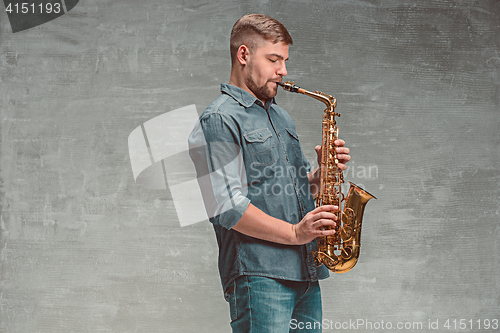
<point>346,233</point>
<point>348,221</point>
<point>346,252</point>
<point>331,240</point>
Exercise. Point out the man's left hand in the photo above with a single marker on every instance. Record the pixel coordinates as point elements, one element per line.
<point>342,154</point>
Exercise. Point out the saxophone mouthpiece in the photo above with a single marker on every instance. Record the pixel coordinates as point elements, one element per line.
<point>289,86</point>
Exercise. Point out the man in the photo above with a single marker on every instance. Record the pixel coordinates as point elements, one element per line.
<point>258,188</point>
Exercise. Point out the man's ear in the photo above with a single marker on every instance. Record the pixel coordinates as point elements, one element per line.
<point>242,54</point>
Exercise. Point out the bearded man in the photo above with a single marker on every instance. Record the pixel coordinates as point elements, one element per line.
<point>258,189</point>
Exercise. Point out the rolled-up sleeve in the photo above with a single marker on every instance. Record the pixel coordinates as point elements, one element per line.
<point>215,150</point>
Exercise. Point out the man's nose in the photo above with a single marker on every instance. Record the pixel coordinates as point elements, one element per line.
<point>282,70</point>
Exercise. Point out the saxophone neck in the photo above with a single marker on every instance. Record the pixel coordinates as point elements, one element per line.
<point>328,100</point>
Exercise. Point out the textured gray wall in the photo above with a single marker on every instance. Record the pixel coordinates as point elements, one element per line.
<point>83,248</point>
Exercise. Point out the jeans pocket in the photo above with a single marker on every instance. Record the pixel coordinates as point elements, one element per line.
<point>229,296</point>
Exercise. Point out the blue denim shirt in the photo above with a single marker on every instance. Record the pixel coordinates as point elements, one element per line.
<point>245,154</point>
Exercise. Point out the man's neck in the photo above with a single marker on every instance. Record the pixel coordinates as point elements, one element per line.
<point>241,85</point>
<point>237,81</point>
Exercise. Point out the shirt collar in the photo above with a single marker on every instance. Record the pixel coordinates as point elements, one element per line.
<point>242,96</point>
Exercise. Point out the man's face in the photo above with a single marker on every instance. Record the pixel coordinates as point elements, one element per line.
<point>265,67</point>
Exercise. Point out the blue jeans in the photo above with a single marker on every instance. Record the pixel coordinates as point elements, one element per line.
<point>259,304</point>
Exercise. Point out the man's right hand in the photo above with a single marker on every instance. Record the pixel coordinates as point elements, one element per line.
<point>311,225</point>
<point>256,223</point>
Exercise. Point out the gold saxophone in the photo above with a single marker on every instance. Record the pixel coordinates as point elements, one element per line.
<point>339,252</point>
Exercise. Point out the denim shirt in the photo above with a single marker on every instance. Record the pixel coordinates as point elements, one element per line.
<point>245,152</point>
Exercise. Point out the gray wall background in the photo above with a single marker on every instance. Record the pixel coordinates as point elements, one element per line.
<point>85,249</point>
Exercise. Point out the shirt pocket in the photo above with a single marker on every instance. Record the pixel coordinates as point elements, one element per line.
<point>295,143</point>
<point>262,147</point>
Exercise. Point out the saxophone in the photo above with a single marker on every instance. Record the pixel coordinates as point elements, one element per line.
<point>339,252</point>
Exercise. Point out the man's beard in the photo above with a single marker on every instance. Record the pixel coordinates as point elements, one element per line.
<point>264,93</point>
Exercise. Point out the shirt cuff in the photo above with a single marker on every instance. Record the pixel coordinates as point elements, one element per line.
<point>229,218</point>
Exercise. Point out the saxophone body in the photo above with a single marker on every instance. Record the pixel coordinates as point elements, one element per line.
<point>339,252</point>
